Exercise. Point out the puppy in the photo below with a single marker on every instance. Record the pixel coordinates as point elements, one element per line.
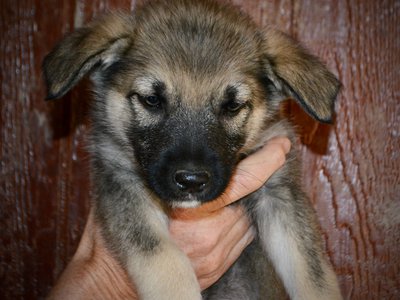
<point>184,90</point>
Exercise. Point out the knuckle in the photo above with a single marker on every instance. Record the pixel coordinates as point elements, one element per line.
<point>213,264</point>
<point>210,243</point>
<point>206,246</point>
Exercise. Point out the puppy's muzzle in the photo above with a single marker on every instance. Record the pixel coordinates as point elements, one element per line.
<point>187,173</point>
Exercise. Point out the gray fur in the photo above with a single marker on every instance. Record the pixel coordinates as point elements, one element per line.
<point>193,86</point>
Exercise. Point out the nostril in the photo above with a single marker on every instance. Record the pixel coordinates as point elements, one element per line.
<point>191,181</point>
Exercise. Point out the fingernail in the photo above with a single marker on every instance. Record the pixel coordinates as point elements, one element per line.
<point>283,141</point>
<point>286,145</point>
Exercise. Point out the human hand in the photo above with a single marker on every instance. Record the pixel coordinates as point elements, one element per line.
<point>212,236</point>
<point>93,272</point>
<point>215,234</point>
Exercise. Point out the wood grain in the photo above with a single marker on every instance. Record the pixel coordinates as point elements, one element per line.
<point>351,169</point>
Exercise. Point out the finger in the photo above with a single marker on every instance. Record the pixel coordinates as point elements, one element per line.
<point>226,239</point>
<point>251,173</point>
<point>208,259</point>
<point>199,236</point>
<point>87,241</point>
<point>255,170</point>
<point>209,279</point>
<point>233,235</point>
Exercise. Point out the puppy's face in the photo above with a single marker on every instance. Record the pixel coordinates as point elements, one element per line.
<point>188,143</point>
<point>189,111</point>
<point>185,88</point>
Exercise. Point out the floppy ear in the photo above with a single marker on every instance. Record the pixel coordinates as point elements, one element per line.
<point>100,43</point>
<point>296,73</point>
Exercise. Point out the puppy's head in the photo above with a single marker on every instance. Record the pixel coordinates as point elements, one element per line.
<point>185,87</point>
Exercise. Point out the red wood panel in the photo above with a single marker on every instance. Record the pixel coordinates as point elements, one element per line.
<point>351,169</point>
<point>355,185</point>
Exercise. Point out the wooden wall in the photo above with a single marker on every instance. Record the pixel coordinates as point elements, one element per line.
<point>351,169</point>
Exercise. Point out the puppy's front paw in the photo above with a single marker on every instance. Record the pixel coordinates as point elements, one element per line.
<point>164,275</point>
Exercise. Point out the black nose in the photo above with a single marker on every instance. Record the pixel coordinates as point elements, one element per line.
<point>191,181</point>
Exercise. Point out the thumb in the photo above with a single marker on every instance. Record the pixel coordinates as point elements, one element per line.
<point>251,173</point>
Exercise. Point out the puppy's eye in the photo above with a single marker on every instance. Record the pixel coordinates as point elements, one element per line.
<point>233,107</point>
<point>232,104</point>
<point>151,101</point>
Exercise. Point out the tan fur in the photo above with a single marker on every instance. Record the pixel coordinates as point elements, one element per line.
<point>299,69</point>
<point>170,260</point>
<point>104,38</point>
